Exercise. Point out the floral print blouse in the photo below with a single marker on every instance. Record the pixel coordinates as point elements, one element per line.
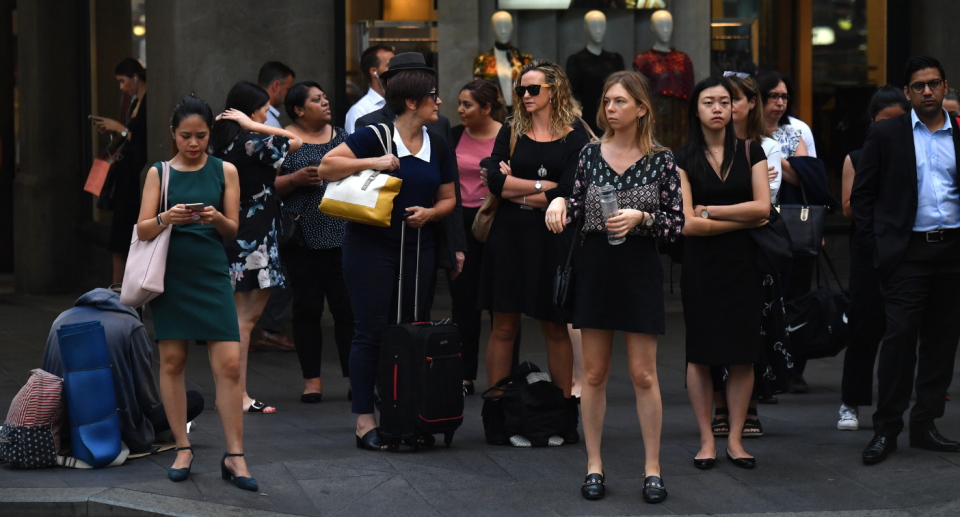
<point>789,139</point>
<point>651,185</point>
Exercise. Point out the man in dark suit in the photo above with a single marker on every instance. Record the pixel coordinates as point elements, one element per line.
<point>905,200</point>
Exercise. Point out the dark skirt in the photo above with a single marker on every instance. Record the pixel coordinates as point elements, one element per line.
<point>618,287</point>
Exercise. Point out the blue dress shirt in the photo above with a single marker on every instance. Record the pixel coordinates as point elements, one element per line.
<point>938,203</point>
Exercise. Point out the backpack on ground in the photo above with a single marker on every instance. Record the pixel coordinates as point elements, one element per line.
<point>817,321</point>
<point>534,409</point>
<point>30,436</point>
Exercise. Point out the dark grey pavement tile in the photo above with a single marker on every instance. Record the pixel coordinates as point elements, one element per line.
<point>35,478</point>
<point>372,464</point>
<point>334,493</point>
<point>279,491</point>
<point>116,501</point>
<point>821,496</point>
<point>494,501</point>
<point>436,470</point>
<point>717,493</point>
<point>394,497</point>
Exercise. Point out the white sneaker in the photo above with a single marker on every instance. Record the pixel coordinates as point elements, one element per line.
<point>848,418</point>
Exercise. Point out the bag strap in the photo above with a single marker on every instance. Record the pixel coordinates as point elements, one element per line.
<point>164,188</point>
<point>746,145</point>
<point>836,277</point>
<point>576,236</point>
<point>503,384</point>
<point>385,142</point>
<point>513,140</point>
<point>589,130</point>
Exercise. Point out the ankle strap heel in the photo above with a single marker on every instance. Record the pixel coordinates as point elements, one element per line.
<point>177,475</point>
<point>244,483</point>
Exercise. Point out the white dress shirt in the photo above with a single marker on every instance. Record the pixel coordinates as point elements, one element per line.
<point>806,135</point>
<point>423,154</point>
<point>369,103</point>
<point>273,117</point>
<point>772,149</point>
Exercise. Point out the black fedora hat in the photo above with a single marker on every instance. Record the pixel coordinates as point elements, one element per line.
<point>404,62</point>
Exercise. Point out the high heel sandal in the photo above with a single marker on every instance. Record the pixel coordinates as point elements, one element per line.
<point>241,482</point>
<point>177,475</point>
<point>752,428</point>
<point>721,424</point>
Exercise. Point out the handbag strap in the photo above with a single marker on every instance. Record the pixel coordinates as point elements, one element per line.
<point>575,237</point>
<point>836,277</point>
<point>385,141</point>
<point>164,189</point>
<point>746,145</point>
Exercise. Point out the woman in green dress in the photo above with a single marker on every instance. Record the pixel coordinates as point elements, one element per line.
<point>197,301</point>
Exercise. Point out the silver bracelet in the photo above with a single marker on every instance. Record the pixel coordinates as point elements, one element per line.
<point>160,222</point>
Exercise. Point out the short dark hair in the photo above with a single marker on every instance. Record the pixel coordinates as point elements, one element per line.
<point>245,97</point>
<point>950,96</point>
<point>273,71</point>
<point>887,96</point>
<point>130,67</point>
<point>486,93</point>
<point>371,59</point>
<point>769,80</point>
<point>189,106</point>
<point>407,85</point>
<point>915,64</point>
<point>297,97</point>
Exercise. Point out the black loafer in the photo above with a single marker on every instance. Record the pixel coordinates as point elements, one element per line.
<point>932,440</point>
<point>653,490</point>
<point>878,450</point>
<point>744,463</point>
<point>593,487</point>
<point>311,398</point>
<point>705,463</point>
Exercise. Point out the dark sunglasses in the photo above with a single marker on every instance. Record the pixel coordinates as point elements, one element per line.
<point>533,89</point>
<point>919,87</point>
<point>780,96</point>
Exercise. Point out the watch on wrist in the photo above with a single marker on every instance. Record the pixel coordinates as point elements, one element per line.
<point>124,133</point>
<point>649,222</point>
<point>538,186</point>
<point>704,214</point>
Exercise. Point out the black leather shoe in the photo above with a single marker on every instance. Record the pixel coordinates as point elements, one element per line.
<point>932,440</point>
<point>705,463</point>
<point>744,463</point>
<point>371,441</point>
<point>593,487</point>
<point>878,449</point>
<point>653,490</point>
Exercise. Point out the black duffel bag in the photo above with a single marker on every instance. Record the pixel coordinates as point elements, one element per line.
<point>533,406</point>
<point>817,321</point>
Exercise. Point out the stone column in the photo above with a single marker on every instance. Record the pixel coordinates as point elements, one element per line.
<point>691,33</point>
<point>459,45</point>
<point>48,187</point>
<point>7,138</point>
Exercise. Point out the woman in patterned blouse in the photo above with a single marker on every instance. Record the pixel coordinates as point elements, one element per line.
<point>647,183</point>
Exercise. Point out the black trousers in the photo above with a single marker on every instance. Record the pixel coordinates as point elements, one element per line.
<point>920,297</point>
<point>277,309</point>
<point>159,417</point>
<point>867,323</point>
<point>315,275</point>
<point>465,291</point>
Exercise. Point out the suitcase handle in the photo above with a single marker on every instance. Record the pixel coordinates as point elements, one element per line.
<point>416,287</point>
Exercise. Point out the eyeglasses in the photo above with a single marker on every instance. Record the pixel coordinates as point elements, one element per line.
<point>740,75</point>
<point>533,89</point>
<point>433,94</point>
<point>780,96</point>
<point>920,87</point>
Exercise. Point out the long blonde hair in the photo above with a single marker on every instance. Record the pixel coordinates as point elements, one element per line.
<point>563,110</point>
<point>636,85</point>
<point>756,125</point>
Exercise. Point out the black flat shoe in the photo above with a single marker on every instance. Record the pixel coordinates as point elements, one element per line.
<point>371,441</point>
<point>593,487</point>
<point>704,463</point>
<point>744,463</point>
<point>653,490</point>
<point>311,398</point>
<point>932,440</point>
<point>878,450</point>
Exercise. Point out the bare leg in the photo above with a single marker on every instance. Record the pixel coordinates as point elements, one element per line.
<point>559,354</point>
<point>642,357</point>
<point>577,342</point>
<point>700,389</point>
<point>173,361</point>
<point>249,308</point>
<point>593,404</point>
<point>225,363</point>
<point>119,264</point>
<point>312,386</point>
<point>739,389</point>
<point>500,346</point>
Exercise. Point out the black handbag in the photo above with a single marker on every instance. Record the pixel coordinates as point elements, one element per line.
<point>817,321</point>
<point>774,247</point>
<point>562,292</point>
<point>805,224</point>
<point>533,406</point>
<point>290,228</point>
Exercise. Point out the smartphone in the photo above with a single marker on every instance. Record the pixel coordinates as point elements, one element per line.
<point>94,119</point>
<point>314,163</point>
<point>196,207</point>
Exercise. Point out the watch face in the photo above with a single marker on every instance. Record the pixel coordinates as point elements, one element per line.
<point>704,214</point>
<point>649,221</point>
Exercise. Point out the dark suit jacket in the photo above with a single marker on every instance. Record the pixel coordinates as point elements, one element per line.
<point>449,233</point>
<point>884,197</point>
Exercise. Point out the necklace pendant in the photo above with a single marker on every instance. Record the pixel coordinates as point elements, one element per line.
<point>542,172</point>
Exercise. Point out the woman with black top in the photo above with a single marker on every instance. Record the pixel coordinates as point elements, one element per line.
<point>371,255</point>
<point>620,287</point>
<point>867,318</point>
<point>314,259</point>
<point>721,286</point>
<point>521,257</point>
<point>257,150</point>
<point>125,172</point>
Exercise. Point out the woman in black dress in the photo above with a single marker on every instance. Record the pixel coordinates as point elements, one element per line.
<point>257,150</point>
<point>125,172</point>
<point>315,258</point>
<point>537,151</point>
<point>721,286</point>
<point>620,287</point>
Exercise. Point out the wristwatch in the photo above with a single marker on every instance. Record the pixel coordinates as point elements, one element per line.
<point>649,221</point>
<point>704,214</point>
<point>124,133</point>
<point>538,186</point>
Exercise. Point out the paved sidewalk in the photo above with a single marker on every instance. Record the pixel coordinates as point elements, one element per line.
<point>306,463</point>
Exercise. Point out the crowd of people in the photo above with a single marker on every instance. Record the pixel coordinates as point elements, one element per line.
<point>243,193</point>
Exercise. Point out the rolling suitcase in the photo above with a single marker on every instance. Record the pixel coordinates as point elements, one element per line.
<point>420,374</point>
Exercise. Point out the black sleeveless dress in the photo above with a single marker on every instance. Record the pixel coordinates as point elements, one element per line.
<point>721,285</point>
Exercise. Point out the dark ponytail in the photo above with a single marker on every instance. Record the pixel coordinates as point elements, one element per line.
<point>189,106</point>
<point>245,97</point>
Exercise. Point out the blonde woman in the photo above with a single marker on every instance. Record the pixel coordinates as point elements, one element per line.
<point>620,288</point>
<point>521,256</point>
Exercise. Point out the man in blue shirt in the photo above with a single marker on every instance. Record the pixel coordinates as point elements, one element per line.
<point>906,201</point>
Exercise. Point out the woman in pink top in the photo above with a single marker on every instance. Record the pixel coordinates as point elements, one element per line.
<point>479,104</point>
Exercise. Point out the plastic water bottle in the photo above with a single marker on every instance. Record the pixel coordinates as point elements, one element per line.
<point>610,208</point>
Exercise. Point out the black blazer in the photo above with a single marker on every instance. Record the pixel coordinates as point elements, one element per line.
<point>884,197</point>
<point>449,232</point>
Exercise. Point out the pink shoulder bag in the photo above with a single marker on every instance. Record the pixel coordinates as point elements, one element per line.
<point>147,260</point>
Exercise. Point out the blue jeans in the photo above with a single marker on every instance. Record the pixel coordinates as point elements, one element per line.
<point>370,269</point>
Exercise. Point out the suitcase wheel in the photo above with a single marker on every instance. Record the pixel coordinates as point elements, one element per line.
<point>447,438</point>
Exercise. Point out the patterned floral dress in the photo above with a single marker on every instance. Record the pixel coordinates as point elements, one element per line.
<point>620,287</point>
<point>253,254</point>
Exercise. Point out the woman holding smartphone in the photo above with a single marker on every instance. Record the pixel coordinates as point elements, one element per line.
<point>257,150</point>
<point>197,303</point>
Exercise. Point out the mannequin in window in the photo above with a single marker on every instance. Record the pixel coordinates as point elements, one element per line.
<point>503,62</point>
<point>589,68</point>
<point>670,73</point>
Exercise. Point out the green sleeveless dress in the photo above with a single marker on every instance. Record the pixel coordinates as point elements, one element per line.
<point>197,300</point>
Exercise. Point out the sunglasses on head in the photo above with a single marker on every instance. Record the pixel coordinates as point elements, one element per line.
<point>533,89</point>
<point>740,75</point>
